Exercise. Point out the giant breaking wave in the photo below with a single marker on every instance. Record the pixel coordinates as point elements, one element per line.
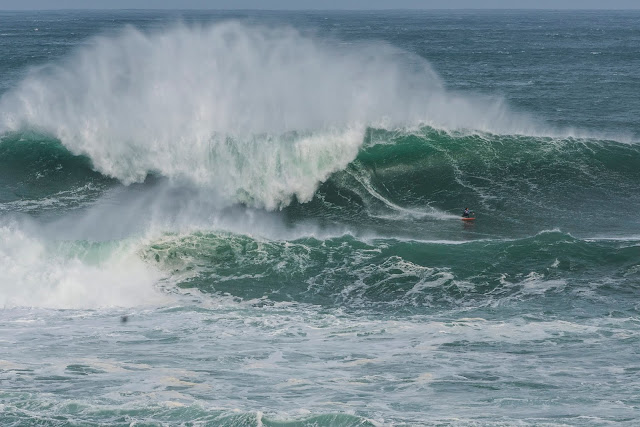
<point>257,115</point>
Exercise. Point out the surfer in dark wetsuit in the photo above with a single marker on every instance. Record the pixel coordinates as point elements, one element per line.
<point>466,213</point>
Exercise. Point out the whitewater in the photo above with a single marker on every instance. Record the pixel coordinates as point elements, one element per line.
<point>252,218</point>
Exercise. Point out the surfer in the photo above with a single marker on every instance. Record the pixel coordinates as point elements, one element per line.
<point>466,213</point>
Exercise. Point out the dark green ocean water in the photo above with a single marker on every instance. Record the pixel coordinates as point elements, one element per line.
<point>253,218</point>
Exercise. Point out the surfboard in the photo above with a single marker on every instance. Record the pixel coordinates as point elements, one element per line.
<point>468,219</point>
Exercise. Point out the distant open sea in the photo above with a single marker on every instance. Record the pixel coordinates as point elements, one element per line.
<point>253,218</point>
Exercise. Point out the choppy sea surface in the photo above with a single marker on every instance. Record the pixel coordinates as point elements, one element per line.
<point>253,218</point>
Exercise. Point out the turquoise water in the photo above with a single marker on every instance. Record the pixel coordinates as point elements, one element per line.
<point>252,218</point>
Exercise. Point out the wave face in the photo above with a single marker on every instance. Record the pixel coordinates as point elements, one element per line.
<point>238,222</point>
<point>521,184</point>
<point>37,174</point>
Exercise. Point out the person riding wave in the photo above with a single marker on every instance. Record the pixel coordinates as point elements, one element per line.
<point>466,213</point>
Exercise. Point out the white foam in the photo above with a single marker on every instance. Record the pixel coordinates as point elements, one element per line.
<point>630,238</point>
<point>60,200</point>
<point>35,273</point>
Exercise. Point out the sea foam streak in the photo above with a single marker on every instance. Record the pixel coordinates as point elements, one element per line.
<point>260,115</point>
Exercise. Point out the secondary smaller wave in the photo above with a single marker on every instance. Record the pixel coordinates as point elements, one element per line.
<point>403,276</point>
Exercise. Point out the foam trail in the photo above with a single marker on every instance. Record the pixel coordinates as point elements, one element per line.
<point>261,115</point>
<point>401,212</point>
